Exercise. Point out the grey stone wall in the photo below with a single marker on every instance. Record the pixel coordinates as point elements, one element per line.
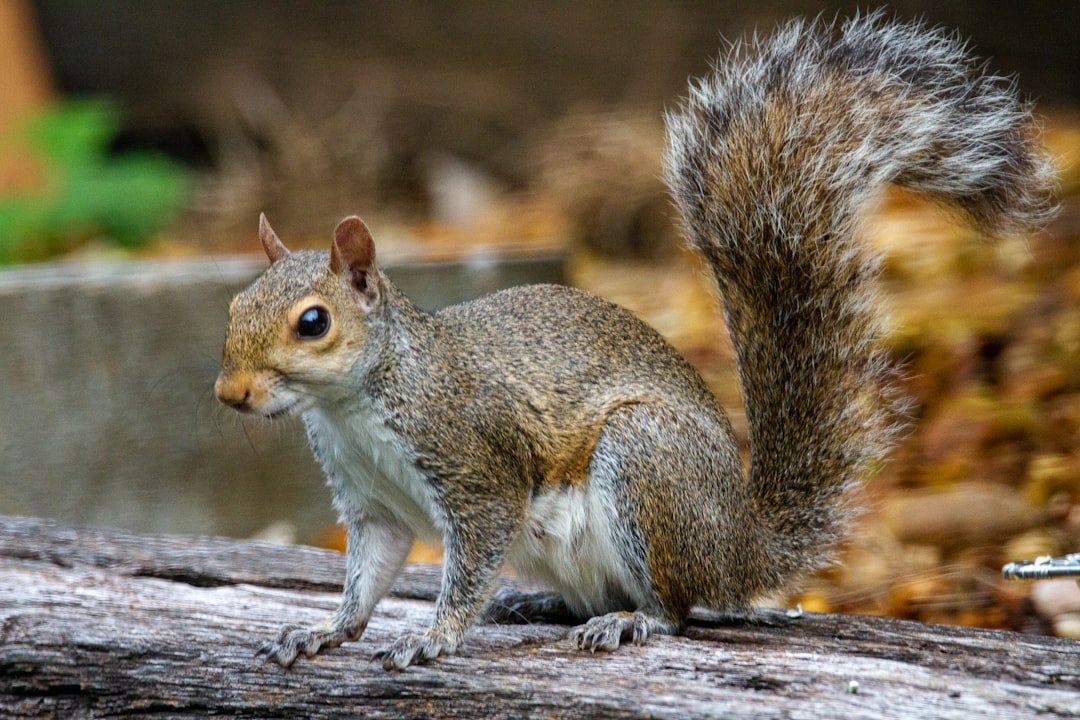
<point>107,414</point>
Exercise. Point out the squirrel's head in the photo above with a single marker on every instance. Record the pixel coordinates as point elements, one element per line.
<point>296,334</point>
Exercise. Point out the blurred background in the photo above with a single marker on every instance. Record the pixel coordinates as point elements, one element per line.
<point>486,143</point>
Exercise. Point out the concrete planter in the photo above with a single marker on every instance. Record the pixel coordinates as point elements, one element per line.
<point>107,414</point>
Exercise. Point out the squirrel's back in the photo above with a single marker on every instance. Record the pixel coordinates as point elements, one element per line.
<point>580,337</point>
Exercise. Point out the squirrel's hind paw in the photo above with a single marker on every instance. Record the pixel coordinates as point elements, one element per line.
<point>606,632</point>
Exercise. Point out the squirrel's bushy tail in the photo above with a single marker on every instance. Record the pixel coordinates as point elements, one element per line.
<point>771,161</point>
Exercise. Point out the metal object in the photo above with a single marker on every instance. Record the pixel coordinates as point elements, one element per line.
<point>1066,566</point>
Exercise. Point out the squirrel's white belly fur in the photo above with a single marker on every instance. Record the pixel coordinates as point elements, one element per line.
<point>371,470</point>
<point>568,544</point>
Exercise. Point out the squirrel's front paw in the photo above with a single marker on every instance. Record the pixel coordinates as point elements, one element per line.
<point>414,648</point>
<point>296,639</point>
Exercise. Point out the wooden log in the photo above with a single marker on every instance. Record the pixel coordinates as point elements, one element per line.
<point>100,622</point>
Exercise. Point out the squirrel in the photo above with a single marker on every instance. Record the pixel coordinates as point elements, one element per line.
<point>545,428</point>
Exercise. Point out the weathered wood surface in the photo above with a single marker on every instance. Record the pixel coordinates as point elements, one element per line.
<point>100,623</point>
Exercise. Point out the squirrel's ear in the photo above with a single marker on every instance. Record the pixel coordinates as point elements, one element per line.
<point>353,255</point>
<point>275,249</point>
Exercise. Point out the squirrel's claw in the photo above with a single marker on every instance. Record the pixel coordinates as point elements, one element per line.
<point>296,639</point>
<point>285,649</point>
<point>413,649</point>
<point>607,632</point>
<point>273,652</point>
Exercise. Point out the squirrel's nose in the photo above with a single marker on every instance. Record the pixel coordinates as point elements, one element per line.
<point>233,392</point>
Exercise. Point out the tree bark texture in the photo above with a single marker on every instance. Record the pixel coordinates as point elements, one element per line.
<point>97,623</point>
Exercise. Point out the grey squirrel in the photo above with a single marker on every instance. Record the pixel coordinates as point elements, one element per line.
<point>546,428</point>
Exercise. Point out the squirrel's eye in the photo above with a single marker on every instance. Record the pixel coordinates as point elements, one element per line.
<point>313,323</point>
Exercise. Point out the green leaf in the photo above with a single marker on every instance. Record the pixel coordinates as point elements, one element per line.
<point>124,199</point>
